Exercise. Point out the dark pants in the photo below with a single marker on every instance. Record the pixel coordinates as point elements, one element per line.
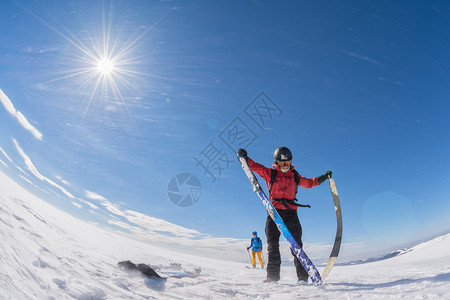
<point>292,222</point>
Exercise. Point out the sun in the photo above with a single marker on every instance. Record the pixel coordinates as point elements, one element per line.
<point>105,66</point>
<point>103,59</point>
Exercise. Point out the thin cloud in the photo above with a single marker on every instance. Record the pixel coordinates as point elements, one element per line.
<point>94,196</point>
<point>62,180</point>
<point>76,204</point>
<point>114,208</point>
<point>149,224</point>
<point>1,161</point>
<point>159,225</point>
<point>89,204</point>
<point>120,224</point>
<point>363,58</point>
<point>6,155</point>
<point>19,116</point>
<point>32,168</point>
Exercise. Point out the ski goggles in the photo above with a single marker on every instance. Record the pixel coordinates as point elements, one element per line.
<point>284,163</point>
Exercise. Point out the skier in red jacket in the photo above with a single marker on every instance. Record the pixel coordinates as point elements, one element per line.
<point>282,182</point>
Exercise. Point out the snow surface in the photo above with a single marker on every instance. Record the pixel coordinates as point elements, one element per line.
<point>48,254</point>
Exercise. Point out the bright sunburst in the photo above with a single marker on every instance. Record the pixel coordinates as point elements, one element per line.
<point>105,66</point>
<point>104,61</point>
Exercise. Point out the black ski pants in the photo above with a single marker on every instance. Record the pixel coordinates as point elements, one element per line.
<point>292,222</point>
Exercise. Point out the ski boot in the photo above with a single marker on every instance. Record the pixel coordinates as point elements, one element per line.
<point>270,280</point>
<point>302,281</point>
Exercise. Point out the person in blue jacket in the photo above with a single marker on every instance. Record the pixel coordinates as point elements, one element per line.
<point>256,246</point>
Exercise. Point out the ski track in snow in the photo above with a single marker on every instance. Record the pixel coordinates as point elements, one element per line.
<point>48,254</point>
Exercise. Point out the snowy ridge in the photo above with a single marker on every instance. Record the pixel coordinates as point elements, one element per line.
<point>48,254</point>
<point>432,243</point>
<point>440,242</point>
<point>375,259</point>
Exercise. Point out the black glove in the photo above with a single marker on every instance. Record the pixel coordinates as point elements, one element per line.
<point>324,177</point>
<point>242,153</point>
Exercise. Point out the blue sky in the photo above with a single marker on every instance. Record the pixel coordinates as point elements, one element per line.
<point>358,88</point>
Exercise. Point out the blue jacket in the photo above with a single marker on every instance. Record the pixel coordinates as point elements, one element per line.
<point>256,244</point>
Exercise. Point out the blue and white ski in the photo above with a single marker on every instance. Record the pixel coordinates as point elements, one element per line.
<point>301,255</point>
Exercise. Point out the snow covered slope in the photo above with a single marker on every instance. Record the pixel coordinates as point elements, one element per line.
<point>48,254</point>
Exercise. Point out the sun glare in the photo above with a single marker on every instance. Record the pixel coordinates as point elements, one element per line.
<point>105,66</point>
<point>104,59</point>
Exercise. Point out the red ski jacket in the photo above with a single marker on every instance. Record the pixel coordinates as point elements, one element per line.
<point>284,185</point>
